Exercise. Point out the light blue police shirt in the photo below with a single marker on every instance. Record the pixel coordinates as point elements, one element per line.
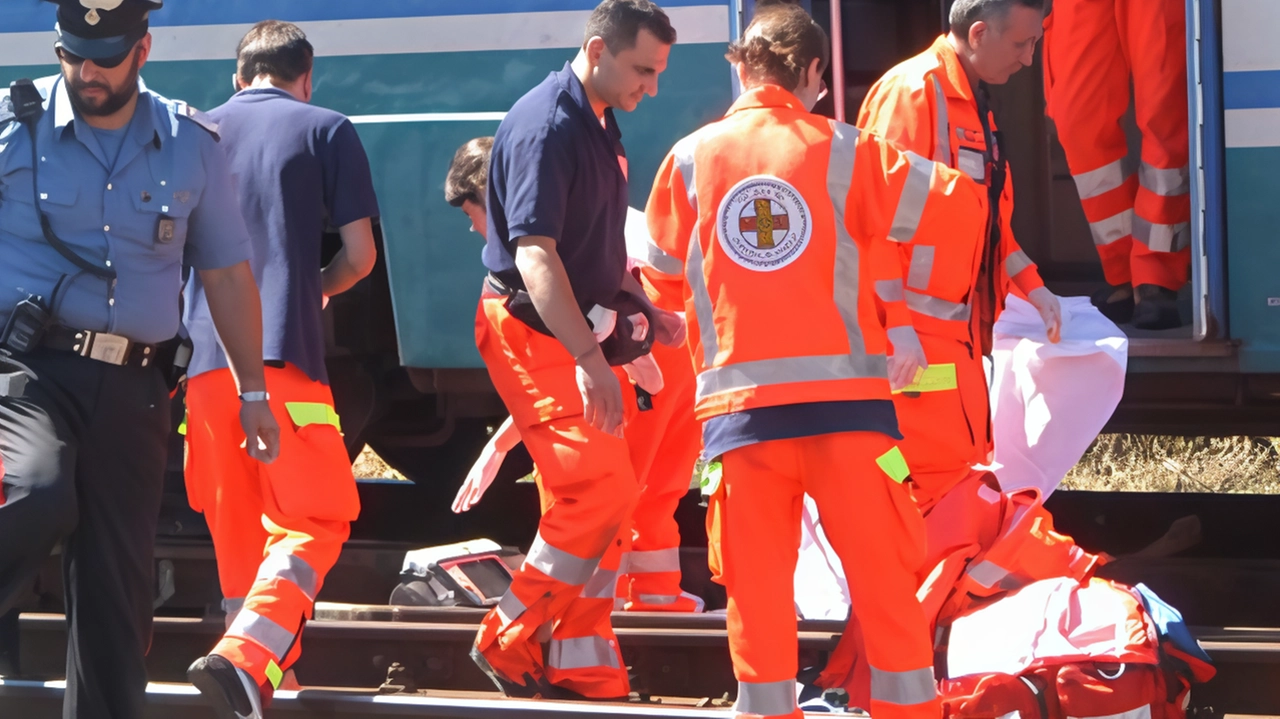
<point>168,166</point>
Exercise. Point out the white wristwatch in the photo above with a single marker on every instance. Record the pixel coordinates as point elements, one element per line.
<point>254,396</point>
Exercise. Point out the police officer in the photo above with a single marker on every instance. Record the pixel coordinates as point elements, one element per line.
<point>105,187</point>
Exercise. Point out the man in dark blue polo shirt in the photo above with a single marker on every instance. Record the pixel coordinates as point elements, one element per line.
<point>277,530</point>
<point>557,206</point>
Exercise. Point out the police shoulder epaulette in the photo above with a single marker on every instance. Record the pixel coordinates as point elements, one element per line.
<point>182,109</point>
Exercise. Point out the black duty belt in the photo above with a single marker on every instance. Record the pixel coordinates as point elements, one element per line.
<point>100,346</point>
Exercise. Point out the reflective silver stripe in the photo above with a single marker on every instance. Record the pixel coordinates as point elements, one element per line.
<point>1102,180</point>
<point>273,637</point>
<point>1142,712</point>
<point>510,608</point>
<point>1112,229</point>
<point>1162,238</point>
<point>662,262</point>
<point>936,308</point>
<point>582,653</point>
<point>915,192</point>
<point>602,585</point>
<point>657,560</point>
<point>987,574</point>
<point>683,154</point>
<point>903,688</point>
<point>233,606</point>
<point>701,301</point>
<point>1170,182</point>
<point>766,373</point>
<point>840,168</point>
<point>1016,262</point>
<point>942,152</point>
<point>889,290</point>
<point>766,698</point>
<point>281,564</point>
<point>559,564</point>
<point>658,599</point>
<point>921,266</point>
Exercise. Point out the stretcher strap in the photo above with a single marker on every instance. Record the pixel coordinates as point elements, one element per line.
<point>894,465</point>
<point>306,413</point>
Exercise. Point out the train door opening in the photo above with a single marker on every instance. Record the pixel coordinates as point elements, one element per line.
<point>1049,218</point>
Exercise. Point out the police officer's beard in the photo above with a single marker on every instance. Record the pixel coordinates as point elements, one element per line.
<point>115,100</point>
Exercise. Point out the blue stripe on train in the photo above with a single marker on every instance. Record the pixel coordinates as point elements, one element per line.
<point>31,16</point>
<point>1254,89</point>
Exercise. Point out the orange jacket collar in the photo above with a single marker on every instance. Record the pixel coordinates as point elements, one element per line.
<point>767,96</point>
<point>956,80</point>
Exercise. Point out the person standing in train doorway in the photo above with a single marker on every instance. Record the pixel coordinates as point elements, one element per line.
<point>277,529</point>
<point>1141,222</point>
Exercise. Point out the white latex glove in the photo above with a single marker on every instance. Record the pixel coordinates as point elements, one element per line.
<point>907,361</point>
<point>671,328</point>
<point>646,373</point>
<point>1050,309</point>
<point>603,320</point>
<point>486,467</point>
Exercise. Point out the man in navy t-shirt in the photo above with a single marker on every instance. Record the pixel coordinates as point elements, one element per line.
<point>299,168</point>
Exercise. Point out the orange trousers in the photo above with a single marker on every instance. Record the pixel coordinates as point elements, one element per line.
<point>567,583</point>
<point>948,431</point>
<point>665,442</point>
<point>277,528</point>
<point>876,530</point>
<point>1093,49</point>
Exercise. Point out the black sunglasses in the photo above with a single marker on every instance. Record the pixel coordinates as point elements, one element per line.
<point>107,62</point>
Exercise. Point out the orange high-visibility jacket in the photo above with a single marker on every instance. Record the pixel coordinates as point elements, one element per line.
<point>783,222</point>
<point>927,106</point>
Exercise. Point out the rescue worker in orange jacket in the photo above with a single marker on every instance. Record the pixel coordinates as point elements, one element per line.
<point>785,223</point>
<point>556,254</point>
<point>664,440</point>
<point>277,529</point>
<point>935,105</point>
<point>1093,50</point>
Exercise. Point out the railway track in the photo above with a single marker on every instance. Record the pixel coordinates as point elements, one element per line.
<point>350,651</point>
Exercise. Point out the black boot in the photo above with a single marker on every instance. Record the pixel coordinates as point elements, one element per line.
<point>230,690</point>
<point>1156,308</point>
<point>1119,310</point>
<point>530,689</point>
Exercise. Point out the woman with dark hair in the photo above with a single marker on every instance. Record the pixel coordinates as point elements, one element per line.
<point>786,224</point>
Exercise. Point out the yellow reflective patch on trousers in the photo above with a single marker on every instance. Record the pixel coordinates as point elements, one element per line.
<point>182,428</point>
<point>305,413</point>
<point>937,378</point>
<point>894,465</point>
<point>712,476</point>
<point>274,675</point>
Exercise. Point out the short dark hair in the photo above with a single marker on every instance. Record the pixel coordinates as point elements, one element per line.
<point>276,49</point>
<point>779,45</point>
<point>964,13</point>
<point>619,22</point>
<point>468,176</point>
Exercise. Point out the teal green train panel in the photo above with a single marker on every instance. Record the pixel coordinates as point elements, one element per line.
<point>1253,255</point>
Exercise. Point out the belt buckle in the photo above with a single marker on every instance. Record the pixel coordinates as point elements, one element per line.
<point>103,347</point>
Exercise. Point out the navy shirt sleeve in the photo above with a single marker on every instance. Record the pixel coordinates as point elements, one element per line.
<point>348,183</point>
<point>539,169</point>
<point>217,236</point>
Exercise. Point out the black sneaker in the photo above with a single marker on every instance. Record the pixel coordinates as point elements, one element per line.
<point>1157,308</point>
<point>530,689</point>
<point>231,691</point>
<point>1119,310</point>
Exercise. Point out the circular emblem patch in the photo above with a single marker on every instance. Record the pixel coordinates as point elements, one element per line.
<point>764,223</point>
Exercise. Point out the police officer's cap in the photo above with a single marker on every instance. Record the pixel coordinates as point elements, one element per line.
<point>102,30</point>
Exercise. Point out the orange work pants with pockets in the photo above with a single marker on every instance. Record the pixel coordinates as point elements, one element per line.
<point>665,442</point>
<point>277,528</point>
<point>948,430</point>
<point>1093,49</point>
<point>568,579</point>
<point>876,530</point>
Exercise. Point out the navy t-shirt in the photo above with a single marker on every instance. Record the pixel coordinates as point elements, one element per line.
<point>298,168</point>
<point>555,172</point>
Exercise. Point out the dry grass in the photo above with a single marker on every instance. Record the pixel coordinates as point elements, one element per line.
<point>1142,463</point>
<point>370,466</point>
